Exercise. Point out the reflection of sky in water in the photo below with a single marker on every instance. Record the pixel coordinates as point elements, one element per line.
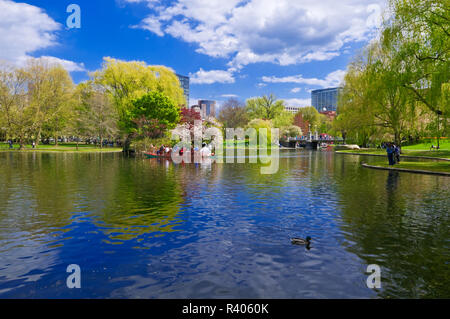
<point>151,229</point>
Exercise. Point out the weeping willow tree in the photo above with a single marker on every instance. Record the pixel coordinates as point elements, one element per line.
<point>398,86</point>
<point>127,82</point>
<point>418,37</point>
<point>356,119</point>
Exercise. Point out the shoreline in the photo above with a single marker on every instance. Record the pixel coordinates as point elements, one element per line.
<point>60,151</point>
<point>405,170</point>
<point>401,156</point>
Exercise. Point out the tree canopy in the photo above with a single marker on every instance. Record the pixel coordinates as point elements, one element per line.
<point>127,82</point>
<point>266,107</point>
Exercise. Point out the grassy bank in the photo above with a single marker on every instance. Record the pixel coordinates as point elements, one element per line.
<point>425,145</point>
<point>422,149</point>
<point>405,152</point>
<point>442,167</point>
<point>63,147</point>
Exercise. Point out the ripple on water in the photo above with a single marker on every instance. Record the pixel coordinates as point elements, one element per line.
<point>148,229</point>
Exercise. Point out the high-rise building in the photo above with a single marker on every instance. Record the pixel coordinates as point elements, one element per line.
<point>325,99</point>
<point>185,83</point>
<point>207,107</point>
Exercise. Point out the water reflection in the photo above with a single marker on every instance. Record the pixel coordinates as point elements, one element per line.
<point>153,229</point>
<point>402,227</point>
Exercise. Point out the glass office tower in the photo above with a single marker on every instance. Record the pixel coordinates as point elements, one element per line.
<point>184,82</point>
<point>325,99</point>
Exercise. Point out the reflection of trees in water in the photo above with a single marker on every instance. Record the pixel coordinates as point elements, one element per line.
<point>141,196</point>
<point>36,191</point>
<point>124,197</point>
<point>400,222</point>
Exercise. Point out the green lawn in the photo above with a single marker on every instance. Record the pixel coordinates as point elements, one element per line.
<point>423,166</point>
<point>405,152</point>
<point>426,145</point>
<point>62,147</point>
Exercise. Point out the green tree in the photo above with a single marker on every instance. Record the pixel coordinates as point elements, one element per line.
<point>291,131</point>
<point>283,119</point>
<point>374,102</point>
<point>16,114</point>
<point>418,37</point>
<point>157,105</point>
<point>355,118</point>
<point>101,116</point>
<point>129,81</point>
<point>50,91</point>
<point>311,115</point>
<point>266,107</point>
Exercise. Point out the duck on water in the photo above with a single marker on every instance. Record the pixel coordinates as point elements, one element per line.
<point>301,242</point>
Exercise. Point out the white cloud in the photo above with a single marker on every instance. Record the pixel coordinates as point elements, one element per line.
<point>333,79</point>
<point>210,77</point>
<point>296,90</point>
<point>152,24</point>
<point>66,64</point>
<point>24,29</point>
<point>284,32</point>
<point>193,101</point>
<point>297,102</point>
<point>229,95</point>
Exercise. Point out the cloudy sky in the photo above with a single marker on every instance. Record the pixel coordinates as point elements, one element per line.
<point>231,48</point>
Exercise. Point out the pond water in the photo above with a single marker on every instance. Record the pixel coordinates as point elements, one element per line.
<point>143,228</point>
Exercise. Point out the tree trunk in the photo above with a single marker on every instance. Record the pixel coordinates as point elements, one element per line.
<point>38,138</point>
<point>21,143</point>
<point>397,140</point>
<point>101,142</point>
<point>56,140</point>
<point>438,133</point>
<point>126,145</point>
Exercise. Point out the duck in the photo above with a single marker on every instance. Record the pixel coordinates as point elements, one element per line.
<point>301,241</point>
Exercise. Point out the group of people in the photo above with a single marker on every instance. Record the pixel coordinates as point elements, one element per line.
<point>166,151</point>
<point>393,152</point>
<point>163,150</point>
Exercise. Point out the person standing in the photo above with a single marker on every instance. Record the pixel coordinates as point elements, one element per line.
<point>390,152</point>
<point>397,153</point>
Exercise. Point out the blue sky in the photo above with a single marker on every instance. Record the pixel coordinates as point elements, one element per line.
<point>233,48</point>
